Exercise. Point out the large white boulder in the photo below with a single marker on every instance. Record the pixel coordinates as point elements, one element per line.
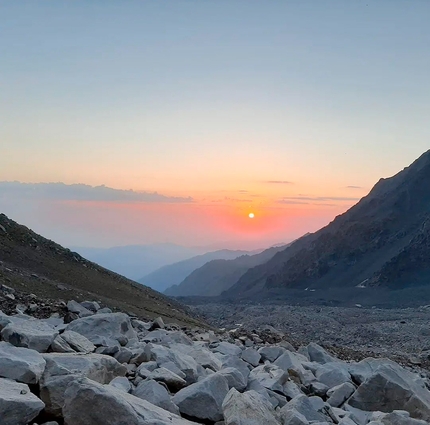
<point>156,394</point>
<point>64,368</point>
<point>20,364</point>
<point>18,406</point>
<point>104,329</point>
<point>33,334</point>
<point>249,408</point>
<point>203,400</point>
<point>88,402</point>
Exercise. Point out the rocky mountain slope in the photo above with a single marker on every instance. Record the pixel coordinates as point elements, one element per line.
<point>383,241</point>
<point>173,274</point>
<point>104,368</point>
<point>217,276</point>
<point>35,265</point>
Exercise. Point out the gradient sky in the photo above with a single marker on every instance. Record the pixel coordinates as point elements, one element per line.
<point>289,109</point>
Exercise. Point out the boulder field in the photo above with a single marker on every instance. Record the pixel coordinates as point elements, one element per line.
<point>107,368</point>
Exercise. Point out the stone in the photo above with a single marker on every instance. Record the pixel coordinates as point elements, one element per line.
<point>318,354</point>
<point>104,310</point>
<point>339,394</point>
<point>235,379</point>
<point>393,388</point>
<point>158,323</point>
<point>122,383</point>
<point>63,368</point>
<point>20,364</point>
<point>156,394</point>
<point>172,380</point>
<point>228,349</point>
<point>81,311</point>
<point>270,377</point>
<point>251,356</point>
<point>93,306</point>
<point>236,362</point>
<point>206,359</point>
<point>333,374</point>
<point>271,353</point>
<point>114,407</point>
<point>78,342</point>
<point>249,408</point>
<point>203,399</point>
<point>293,417</point>
<point>103,329</point>
<point>18,406</point>
<point>33,334</point>
<point>289,363</point>
<point>61,346</point>
<point>302,405</point>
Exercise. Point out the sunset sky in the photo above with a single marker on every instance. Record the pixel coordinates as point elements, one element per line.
<point>291,110</point>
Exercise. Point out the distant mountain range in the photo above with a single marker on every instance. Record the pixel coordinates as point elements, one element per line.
<point>33,264</point>
<point>135,261</point>
<point>382,242</point>
<point>216,276</point>
<point>174,274</point>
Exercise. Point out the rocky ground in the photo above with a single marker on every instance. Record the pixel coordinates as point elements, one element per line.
<point>82,364</point>
<point>401,334</point>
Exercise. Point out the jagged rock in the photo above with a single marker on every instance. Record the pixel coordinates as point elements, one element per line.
<point>393,388</point>
<point>271,353</point>
<point>80,310</point>
<point>339,394</point>
<point>236,362</point>
<point>203,400</point>
<point>61,346</point>
<point>156,394</point>
<point>400,418</point>
<point>93,306</point>
<point>20,364</point>
<point>289,363</point>
<point>33,334</point>
<point>251,356</point>
<point>302,405</point>
<point>318,354</point>
<point>76,342</point>
<point>123,355</point>
<point>206,359</point>
<point>228,349</point>
<point>293,417</point>
<point>235,379</point>
<point>249,408</point>
<point>104,310</point>
<point>121,383</point>
<point>333,374</point>
<point>270,377</point>
<point>114,407</point>
<point>18,406</point>
<point>158,323</point>
<point>172,380</point>
<point>63,368</point>
<point>104,329</point>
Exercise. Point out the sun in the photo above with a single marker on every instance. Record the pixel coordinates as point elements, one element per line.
<point>251,215</point>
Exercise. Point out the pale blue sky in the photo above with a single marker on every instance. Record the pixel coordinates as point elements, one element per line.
<point>190,98</point>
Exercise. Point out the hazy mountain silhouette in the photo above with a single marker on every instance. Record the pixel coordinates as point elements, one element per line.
<point>33,264</point>
<point>383,241</point>
<point>135,261</point>
<point>216,276</point>
<point>174,274</point>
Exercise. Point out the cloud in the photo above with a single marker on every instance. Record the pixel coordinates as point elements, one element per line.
<point>320,198</point>
<point>82,192</point>
<point>278,182</point>
<point>291,202</point>
<point>354,187</point>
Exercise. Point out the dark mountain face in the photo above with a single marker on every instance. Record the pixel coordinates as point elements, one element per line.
<point>384,241</point>
<point>33,264</point>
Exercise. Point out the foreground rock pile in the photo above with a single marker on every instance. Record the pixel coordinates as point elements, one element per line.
<point>104,368</point>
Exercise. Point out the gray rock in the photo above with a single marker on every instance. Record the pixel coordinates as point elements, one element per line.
<point>251,356</point>
<point>114,407</point>
<point>123,355</point>
<point>104,310</point>
<point>121,383</point>
<point>61,346</point>
<point>81,311</point>
<point>293,417</point>
<point>333,374</point>
<point>289,363</point>
<point>102,329</point>
<point>61,369</point>
<point>235,379</point>
<point>18,406</point>
<point>33,334</point>
<point>206,358</point>
<point>236,362</point>
<point>228,349</point>
<point>173,381</point>
<point>318,354</point>
<point>78,342</point>
<point>20,364</point>
<point>271,353</point>
<point>270,377</point>
<point>93,306</point>
<point>156,394</point>
<point>158,323</point>
<point>339,394</point>
<point>249,408</point>
<point>203,400</point>
<point>302,405</point>
<point>393,388</point>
